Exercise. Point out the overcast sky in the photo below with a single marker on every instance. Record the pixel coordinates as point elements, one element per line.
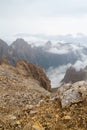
<point>43,16</point>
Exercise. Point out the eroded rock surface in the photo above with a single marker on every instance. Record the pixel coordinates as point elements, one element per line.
<point>72,93</point>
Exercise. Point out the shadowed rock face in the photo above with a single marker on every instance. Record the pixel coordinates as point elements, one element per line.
<point>36,72</point>
<point>3,49</point>
<point>72,75</point>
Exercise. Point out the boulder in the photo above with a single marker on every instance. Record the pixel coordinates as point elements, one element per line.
<point>72,93</point>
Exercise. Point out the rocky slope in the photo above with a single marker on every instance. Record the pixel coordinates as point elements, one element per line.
<point>26,105</point>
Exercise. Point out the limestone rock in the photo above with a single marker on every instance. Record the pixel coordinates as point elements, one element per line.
<point>72,75</point>
<point>72,93</point>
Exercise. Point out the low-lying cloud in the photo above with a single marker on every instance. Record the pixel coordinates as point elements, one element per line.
<point>57,74</point>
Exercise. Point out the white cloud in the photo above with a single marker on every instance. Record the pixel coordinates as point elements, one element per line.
<point>81,63</point>
<point>57,74</point>
<point>57,51</point>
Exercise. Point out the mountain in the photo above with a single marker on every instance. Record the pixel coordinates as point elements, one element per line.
<point>72,75</point>
<point>40,55</point>
<point>20,49</point>
<point>54,57</point>
<point>3,49</point>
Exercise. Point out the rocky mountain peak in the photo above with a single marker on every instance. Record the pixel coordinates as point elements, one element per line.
<point>19,43</point>
<point>72,75</point>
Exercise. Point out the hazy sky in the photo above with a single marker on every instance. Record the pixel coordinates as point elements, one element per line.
<point>43,16</point>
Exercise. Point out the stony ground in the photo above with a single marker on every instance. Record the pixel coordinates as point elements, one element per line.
<point>24,105</point>
<point>46,115</point>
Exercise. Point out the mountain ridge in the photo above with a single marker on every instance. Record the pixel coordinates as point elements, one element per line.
<point>20,49</point>
<point>72,75</point>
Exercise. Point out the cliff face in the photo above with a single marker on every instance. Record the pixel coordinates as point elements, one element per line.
<point>3,49</point>
<point>72,75</point>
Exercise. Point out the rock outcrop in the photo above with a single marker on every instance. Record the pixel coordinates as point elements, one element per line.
<point>29,70</point>
<point>72,75</point>
<point>3,49</point>
<point>36,72</point>
<point>72,93</point>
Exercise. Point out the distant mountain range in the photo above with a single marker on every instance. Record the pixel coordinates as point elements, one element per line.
<point>54,57</point>
<point>46,56</point>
